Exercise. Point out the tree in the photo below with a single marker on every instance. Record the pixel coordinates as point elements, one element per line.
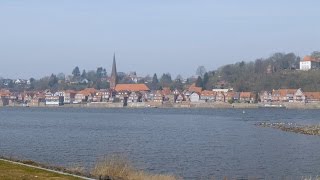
<point>154,85</point>
<point>61,76</point>
<point>199,82</point>
<point>53,81</point>
<point>32,83</point>
<point>101,72</point>
<point>201,71</point>
<point>205,81</point>
<point>155,79</point>
<point>84,74</point>
<point>315,54</point>
<point>177,84</point>
<point>179,78</point>
<point>166,78</point>
<point>76,72</point>
<point>92,76</point>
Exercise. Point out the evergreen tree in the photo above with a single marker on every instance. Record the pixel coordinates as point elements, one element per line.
<point>76,72</point>
<point>199,82</point>
<point>84,74</point>
<point>53,81</point>
<point>155,79</point>
<point>205,81</point>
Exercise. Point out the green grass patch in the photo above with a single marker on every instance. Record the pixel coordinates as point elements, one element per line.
<point>11,171</point>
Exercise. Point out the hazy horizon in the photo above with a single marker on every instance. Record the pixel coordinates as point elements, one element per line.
<point>38,38</point>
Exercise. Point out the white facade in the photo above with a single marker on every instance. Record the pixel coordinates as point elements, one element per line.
<point>194,97</point>
<point>54,100</point>
<point>305,65</point>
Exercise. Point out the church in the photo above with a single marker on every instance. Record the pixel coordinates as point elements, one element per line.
<point>124,87</point>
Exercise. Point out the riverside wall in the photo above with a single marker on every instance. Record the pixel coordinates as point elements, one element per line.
<point>217,105</point>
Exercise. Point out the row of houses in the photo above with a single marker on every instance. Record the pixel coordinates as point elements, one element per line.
<point>134,93</point>
<point>289,95</point>
<point>123,93</point>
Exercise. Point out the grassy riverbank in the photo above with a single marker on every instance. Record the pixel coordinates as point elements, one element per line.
<point>11,171</point>
<point>120,168</point>
<point>108,168</point>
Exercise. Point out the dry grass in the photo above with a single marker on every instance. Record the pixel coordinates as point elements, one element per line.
<point>119,167</point>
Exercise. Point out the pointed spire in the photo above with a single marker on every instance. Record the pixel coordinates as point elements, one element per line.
<point>114,66</point>
<point>114,74</point>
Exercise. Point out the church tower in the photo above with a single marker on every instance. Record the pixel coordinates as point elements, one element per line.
<point>114,76</point>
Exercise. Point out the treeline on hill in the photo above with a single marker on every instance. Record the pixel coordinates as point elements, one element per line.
<point>278,71</point>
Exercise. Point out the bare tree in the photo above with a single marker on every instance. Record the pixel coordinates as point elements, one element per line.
<point>201,71</point>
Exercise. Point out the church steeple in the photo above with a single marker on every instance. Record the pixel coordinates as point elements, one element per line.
<point>114,76</point>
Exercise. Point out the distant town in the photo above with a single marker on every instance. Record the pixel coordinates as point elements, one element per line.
<point>264,83</point>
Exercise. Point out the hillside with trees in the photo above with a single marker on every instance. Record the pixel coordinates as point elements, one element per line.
<point>277,71</point>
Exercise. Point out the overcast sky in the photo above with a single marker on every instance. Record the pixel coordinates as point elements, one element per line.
<point>40,37</point>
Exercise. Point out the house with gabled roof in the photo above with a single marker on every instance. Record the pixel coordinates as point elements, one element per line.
<point>180,98</point>
<point>299,96</point>
<point>283,95</point>
<point>158,96</point>
<point>194,97</point>
<point>309,62</point>
<point>134,97</point>
<point>208,96</point>
<point>312,97</point>
<point>194,88</point>
<point>220,96</point>
<point>265,96</point>
<point>247,97</point>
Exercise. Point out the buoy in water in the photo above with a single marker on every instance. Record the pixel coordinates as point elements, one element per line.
<point>243,112</point>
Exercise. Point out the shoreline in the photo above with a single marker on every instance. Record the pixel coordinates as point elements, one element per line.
<point>144,105</point>
<point>109,168</point>
<point>52,170</point>
<point>312,130</point>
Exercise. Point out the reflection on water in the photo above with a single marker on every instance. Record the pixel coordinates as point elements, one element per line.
<point>192,143</point>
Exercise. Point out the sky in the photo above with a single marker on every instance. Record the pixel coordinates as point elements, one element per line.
<point>40,37</point>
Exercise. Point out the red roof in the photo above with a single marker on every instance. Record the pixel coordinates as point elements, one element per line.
<point>312,95</point>
<point>310,58</point>
<point>131,87</point>
<point>193,88</point>
<point>88,91</point>
<point>208,93</point>
<point>245,94</point>
<point>166,91</point>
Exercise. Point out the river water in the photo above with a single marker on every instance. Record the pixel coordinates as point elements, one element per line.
<point>190,143</point>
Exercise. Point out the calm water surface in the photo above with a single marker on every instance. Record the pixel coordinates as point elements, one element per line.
<point>191,143</point>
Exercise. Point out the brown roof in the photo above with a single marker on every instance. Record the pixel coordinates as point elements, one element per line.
<point>230,94</point>
<point>4,92</point>
<point>208,93</point>
<point>166,91</point>
<point>193,88</point>
<point>88,91</point>
<point>71,91</point>
<point>284,92</point>
<point>312,95</point>
<point>131,87</point>
<point>245,95</point>
<point>310,58</point>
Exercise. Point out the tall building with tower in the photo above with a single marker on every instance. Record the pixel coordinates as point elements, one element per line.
<point>114,76</point>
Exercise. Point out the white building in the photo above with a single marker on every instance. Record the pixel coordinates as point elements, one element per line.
<point>194,97</point>
<point>309,62</point>
<point>54,100</point>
